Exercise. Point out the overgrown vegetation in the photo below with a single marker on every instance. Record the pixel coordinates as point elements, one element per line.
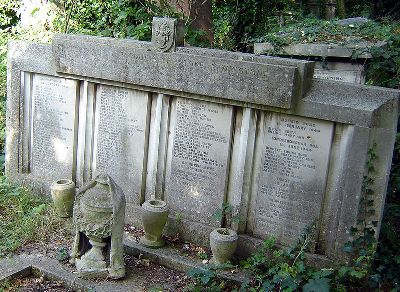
<point>24,217</point>
<point>383,70</point>
<point>274,268</point>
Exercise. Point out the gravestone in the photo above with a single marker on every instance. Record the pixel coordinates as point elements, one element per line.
<point>120,136</point>
<point>198,128</point>
<point>334,62</point>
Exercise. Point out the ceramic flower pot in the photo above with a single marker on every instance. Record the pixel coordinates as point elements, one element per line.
<point>154,217</point>
<point>63,195</point>
<point>223,242</point>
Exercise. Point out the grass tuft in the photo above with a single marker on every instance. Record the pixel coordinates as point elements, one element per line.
<point>24,217</point>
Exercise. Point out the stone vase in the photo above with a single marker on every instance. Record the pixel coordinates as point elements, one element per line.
<point>154,217</point>
<point>63,195</point>
<point>223,242</point>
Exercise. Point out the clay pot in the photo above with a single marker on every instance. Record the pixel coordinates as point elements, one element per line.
<point>223,242</point>
<point>154,217</point>
<point>63,195</point>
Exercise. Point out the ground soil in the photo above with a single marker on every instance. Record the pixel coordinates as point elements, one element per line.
<point>35,284</point>
<point>58,245</point>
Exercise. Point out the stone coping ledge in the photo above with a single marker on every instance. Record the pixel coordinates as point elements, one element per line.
<point>321,50</point>
<point>173,259</point>
<point>26,265</point>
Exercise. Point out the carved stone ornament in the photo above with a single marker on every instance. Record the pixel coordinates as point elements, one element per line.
<point>166,34</point>
<point>99,215</point>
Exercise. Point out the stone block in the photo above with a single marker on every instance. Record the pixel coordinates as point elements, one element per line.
<point>272,85</point>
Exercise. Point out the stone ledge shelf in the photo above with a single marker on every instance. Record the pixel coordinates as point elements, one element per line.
<point>321,50</point>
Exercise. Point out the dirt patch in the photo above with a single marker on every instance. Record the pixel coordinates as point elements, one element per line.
<point>158,277</point>
<point>34,284</point>
<point>185,248</point>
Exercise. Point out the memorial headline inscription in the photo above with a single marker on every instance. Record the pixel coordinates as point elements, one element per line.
<point>199,128</point>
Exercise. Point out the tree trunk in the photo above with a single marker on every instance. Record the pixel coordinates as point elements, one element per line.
<point>341,8</point>
<point>199,13</point>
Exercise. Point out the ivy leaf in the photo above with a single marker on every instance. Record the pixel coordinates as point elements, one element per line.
<point>348,248</point>
<point>357,273</point>
<point>317,285</point>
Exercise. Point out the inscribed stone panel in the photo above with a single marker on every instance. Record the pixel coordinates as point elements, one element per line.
<point>120,137</point>
<point>53,124</point>
<point>292,177</point>
<point>198,158</point>
<point>351,76</point>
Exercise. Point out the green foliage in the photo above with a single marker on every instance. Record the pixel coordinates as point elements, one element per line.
<point>384,69</point>
<point>387,258</point>
<point>116,18</point>
<point>274,268</point>
<point>224,215</point>
<point>236,23</point>
<point>62,254</point>
<point>119,19</point>
<point>206,279</point>
<point>3,73</point>
<point>223,19</point>
<point>8,13</point>
<point>24,217</point>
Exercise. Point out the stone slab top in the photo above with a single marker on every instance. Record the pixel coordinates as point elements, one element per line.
<point>321,50</point>
<point>368,106</point>
<point>274,85</point>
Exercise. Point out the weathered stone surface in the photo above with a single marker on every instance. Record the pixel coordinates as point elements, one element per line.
<point>336,75</point>
<point>197,162</point>
<point>99,216</point>
<point>292,176</point>
<point>273,85</point>
<point>120,135</point>
<point>305,69</point>
<point>350,104</point>
<point>322,50</point>
<point>340,71</point>
<point>53,126</point>
<point>167,33</point>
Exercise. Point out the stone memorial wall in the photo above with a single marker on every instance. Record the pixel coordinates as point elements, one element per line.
<point>198,128</point>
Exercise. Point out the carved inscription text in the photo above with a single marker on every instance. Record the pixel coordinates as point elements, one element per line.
<point>293,175</point>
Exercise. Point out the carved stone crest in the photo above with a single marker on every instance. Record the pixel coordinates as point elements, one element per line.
<point>167,34</point>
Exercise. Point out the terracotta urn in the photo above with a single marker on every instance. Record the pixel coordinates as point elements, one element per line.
<point>63,195</point>
<point>154,217</point>
<point>223,242</point>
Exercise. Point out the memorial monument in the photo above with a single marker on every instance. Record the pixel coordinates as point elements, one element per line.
<point>197,128</point>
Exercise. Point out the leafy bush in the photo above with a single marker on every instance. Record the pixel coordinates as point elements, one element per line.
<point>107,18</point>
<point>8,13</point>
